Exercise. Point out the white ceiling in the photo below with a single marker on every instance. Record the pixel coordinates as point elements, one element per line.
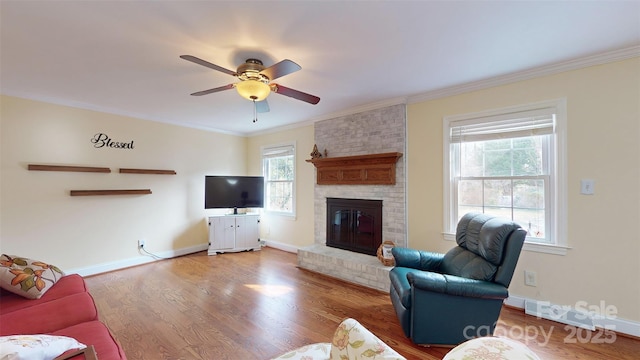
<point>122,57</point>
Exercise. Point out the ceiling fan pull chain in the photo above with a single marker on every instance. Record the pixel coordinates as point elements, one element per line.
<point>255,111</point>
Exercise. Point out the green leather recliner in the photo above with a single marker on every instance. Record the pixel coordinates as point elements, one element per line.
<point>446,299</point>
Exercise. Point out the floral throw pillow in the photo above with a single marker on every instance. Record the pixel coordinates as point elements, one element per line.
<point>36,347</point>
<point>351,340</point>
<point>26,277</point>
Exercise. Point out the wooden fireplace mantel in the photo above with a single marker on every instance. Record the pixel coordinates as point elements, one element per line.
<point>371,169</point>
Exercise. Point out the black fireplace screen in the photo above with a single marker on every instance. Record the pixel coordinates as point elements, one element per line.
<point>354,224</point>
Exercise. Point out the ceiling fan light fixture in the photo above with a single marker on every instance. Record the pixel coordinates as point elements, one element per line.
<point>253,90</point>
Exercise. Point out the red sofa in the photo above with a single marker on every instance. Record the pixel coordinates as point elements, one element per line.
<point>66,309</point>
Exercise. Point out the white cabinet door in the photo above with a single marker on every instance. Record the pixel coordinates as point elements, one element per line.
<point>221,233</point>
<point>215,233</point>
<point>253,232</point>
<point>240,232</point>
<point>247,232</point>
<point>228,240</point>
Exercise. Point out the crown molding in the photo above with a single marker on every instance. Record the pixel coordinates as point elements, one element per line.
<point>362,108</point>
<point>551,69</point>
<point>347,112</point>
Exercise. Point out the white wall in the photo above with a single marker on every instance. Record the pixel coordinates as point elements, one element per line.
<point>285,232</point>
<point>39,219</point>
<point>603,130</point>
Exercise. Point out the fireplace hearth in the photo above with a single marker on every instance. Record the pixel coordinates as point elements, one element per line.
<point>354,224</point>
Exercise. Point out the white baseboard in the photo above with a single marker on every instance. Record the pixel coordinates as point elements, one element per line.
<point>281,246</point>
<point>145,259</point>
<point>616,324</point>
<point>138,260</point>
<point>565,314</point>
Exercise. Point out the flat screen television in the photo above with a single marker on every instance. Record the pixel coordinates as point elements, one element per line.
<point>233,192</point>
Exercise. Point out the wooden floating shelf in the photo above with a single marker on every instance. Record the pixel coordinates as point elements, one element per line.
<point>68,168</point>
<point>372,169</point>
<point>110,192</point>
<point>147,171</point>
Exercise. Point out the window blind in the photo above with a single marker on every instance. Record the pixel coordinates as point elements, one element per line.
<point>512,125</point>
<point>278,151</point>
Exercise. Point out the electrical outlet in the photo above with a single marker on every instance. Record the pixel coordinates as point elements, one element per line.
<point>141,243</point>
<point>530,278</point>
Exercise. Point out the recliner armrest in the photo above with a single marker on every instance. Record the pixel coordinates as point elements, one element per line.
<point>455,285</point>
<point>416,259</point>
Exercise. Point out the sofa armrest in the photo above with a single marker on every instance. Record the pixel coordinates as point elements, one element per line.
<point>50,316</point>
<point>455,285</point>
<point>416,259</point>
<point>96,334</point>
<point>67,285</point>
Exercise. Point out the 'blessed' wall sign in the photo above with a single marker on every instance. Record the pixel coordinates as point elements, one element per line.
<point>101,140</point>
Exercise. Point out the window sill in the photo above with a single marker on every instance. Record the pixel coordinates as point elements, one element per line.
<point>533,247</point>
<point>280,214</point>
<point>546,248</point>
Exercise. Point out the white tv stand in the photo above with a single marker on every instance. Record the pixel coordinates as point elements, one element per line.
<point>233,233</point>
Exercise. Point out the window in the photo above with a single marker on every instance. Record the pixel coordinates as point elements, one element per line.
<point>508,163</point>
<point>279,174</point>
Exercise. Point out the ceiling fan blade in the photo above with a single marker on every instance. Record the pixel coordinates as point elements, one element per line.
<point>279,89</point>
<point>262,106</point>
<point>199,61</point>
<point>210,91</point>
<point>280,69</point>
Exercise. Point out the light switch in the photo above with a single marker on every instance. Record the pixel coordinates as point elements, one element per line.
<point>586,186</point>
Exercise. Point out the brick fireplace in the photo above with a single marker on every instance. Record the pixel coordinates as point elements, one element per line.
<point>376,131</point>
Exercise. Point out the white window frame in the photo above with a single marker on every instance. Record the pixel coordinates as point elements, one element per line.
<point>556,198</point>
<point>271,151</point>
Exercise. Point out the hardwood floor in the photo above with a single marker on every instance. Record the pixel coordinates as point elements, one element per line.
<point>258,305</point>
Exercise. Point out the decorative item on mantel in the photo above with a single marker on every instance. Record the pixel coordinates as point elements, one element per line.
<point>384,253</point>
<point>315,154</point>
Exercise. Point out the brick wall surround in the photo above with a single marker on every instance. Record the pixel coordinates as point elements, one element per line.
<point>371,132</point>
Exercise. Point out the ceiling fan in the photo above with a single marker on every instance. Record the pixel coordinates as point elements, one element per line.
<point>255,81</point>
